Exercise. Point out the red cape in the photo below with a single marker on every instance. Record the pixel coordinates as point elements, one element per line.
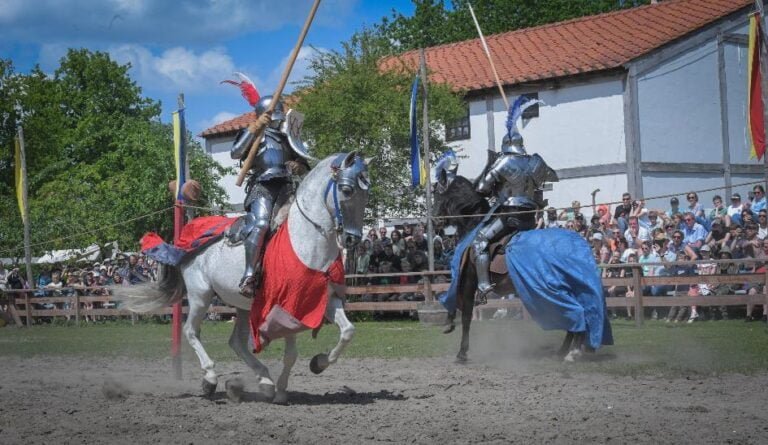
<point>292,297</point>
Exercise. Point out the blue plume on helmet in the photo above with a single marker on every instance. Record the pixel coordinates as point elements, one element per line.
<point>516,112</point>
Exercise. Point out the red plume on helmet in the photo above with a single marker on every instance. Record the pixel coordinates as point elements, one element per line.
<point>247,88</point>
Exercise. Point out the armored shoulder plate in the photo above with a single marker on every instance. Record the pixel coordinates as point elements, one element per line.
<point>291,127</point>
<point>540,171</point>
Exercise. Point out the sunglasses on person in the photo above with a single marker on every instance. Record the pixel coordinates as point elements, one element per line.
<point>688,219</point>
<point>762,215</point>
<point>677,237</point>
<point>691,198</point>
<point>758,192</point>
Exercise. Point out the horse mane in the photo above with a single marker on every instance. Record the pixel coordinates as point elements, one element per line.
<point>461,198</point>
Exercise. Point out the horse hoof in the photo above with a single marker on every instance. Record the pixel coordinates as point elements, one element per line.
<point>281,398</point>
<point>234,389</point>
<point>208,388</point>
<point>267,389</point>
<point>461,359</point>
<point>319,363</point>
<point>450,328</point>
<point>572,356</point>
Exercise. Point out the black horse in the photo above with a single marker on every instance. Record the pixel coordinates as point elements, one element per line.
<point>464,207</point>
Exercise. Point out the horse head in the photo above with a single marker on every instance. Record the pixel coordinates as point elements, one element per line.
<point>349,195</point>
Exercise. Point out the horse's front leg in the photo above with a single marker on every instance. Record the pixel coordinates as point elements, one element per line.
<point>566,346</point>
<point>289,359</point>
<point>334,311</point>
<point>238,341</point>
<point>198,306</point>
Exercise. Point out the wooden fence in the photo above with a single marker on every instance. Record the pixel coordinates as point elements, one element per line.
<point>21,304</point>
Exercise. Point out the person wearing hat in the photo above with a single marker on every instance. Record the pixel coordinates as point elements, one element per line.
<point>674,207</point>
<point>735,208</point>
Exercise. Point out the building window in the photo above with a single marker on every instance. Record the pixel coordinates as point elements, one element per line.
<point>459,129</point>
<point>533,110</point>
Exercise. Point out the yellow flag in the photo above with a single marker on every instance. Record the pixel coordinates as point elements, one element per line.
<point>18,160</point>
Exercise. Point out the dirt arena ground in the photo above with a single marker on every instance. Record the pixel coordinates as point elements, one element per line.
<point>55,400</point>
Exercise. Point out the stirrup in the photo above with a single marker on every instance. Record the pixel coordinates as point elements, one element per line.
<point>481,297</point>
<point>249,284</point>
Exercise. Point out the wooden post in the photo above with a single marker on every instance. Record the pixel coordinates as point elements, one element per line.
<point>28,309</point>
<point>637,273</point>
<point>76,299</point>
<point>428,297</point>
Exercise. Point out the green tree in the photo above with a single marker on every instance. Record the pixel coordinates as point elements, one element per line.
<point>98,157</point>
<point>352,105</point>
<point>434,23</point>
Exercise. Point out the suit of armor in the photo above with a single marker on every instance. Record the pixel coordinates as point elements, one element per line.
<point>269,186</point>
<point>515,180</point>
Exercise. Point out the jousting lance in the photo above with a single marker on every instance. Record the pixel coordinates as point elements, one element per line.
<point>259,130</point>
<point>488,54</point>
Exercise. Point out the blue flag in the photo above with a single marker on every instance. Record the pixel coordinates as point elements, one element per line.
<point>416,176</point>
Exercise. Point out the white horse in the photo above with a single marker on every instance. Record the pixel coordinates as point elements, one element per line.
<point>329,205</point>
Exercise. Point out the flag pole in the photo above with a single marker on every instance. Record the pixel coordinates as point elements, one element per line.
<point>25,211</point>
<point>759,4</point>
<point>178,225</point>
<point>428,185</point>
<point>488,54</point>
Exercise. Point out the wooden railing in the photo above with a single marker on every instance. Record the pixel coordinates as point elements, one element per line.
<point>20,303</point>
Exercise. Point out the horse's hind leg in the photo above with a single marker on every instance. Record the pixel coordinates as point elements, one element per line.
<point>576,347</point>
<point>238,341</point>
<point>289,359</point>
<point>197,310</point>
<point>565,347</point>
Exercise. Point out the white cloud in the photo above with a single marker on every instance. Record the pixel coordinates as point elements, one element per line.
<point>156,22</point>
<point>176,69</point>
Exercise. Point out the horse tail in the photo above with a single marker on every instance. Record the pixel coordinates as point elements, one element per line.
<point>147,297</point>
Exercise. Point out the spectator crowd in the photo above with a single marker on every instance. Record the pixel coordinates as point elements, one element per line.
<point>633,233</point>
<point>80,278</point>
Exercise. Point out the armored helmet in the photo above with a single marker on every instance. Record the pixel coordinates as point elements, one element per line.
<point>278,114</point>
<point>445,170</point>
<point>512,143</point>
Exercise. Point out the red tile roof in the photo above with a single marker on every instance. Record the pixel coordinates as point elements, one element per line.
<point>588,44</point>
<point>577,46</point>
<point>230,126</point>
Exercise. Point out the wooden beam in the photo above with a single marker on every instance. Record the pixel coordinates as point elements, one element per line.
<point>618,168</point>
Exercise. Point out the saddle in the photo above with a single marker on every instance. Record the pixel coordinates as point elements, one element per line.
<point>498,256</point>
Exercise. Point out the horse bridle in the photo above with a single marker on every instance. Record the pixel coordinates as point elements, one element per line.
<point>332,185</point>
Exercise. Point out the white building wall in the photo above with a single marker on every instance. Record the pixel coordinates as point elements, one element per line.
<point>679,109</point>
<point>578,189</point>
<point>579,125</point>
<point>218,149</point>
<point>736,76</point>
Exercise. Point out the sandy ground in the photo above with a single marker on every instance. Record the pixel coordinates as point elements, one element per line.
<point>57,400</point>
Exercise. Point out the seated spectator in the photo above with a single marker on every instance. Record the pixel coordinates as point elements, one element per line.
<point>614,272</point>
<point>552,221</point>
<point>623,211</point>
<point>718,236</point>
<point>759,202</point>
<point>702,269</point>
<point>383,234</point>
<point>362,262</point>
<point>719,210</point>
<point>628,273</point>
<point>694,234</point>
<point>762,224</point>
<point>735,207</point>
<point>635,234</point>
<point>372,235</point>
<point>389,256</point>
<point>746,217</point>
<point>420,241</point>
<point>724,288</point>
<point>398,244</point>
<point>694,207</point>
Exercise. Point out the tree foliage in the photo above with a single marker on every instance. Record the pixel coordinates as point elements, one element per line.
<point>98,157</point>
<point>352,105</point>
<point>434,23</point>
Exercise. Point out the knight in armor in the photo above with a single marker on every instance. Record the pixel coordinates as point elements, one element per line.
<point>280,155</point>
<point>515,180</point>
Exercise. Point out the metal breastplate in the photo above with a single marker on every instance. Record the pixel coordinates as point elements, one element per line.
<point>271,157</point>
<point>516,183</point>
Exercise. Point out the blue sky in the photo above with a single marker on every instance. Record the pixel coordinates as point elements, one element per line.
<point>186,45</point>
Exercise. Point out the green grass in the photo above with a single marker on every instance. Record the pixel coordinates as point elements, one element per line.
<point>657,348</point>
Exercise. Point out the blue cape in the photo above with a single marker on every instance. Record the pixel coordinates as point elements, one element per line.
<point>557,279</point>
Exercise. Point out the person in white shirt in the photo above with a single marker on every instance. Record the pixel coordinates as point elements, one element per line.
<point>735,208</point>
<point>636,234</point>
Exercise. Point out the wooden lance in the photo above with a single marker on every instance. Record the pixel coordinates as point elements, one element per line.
<point>276,97</point>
